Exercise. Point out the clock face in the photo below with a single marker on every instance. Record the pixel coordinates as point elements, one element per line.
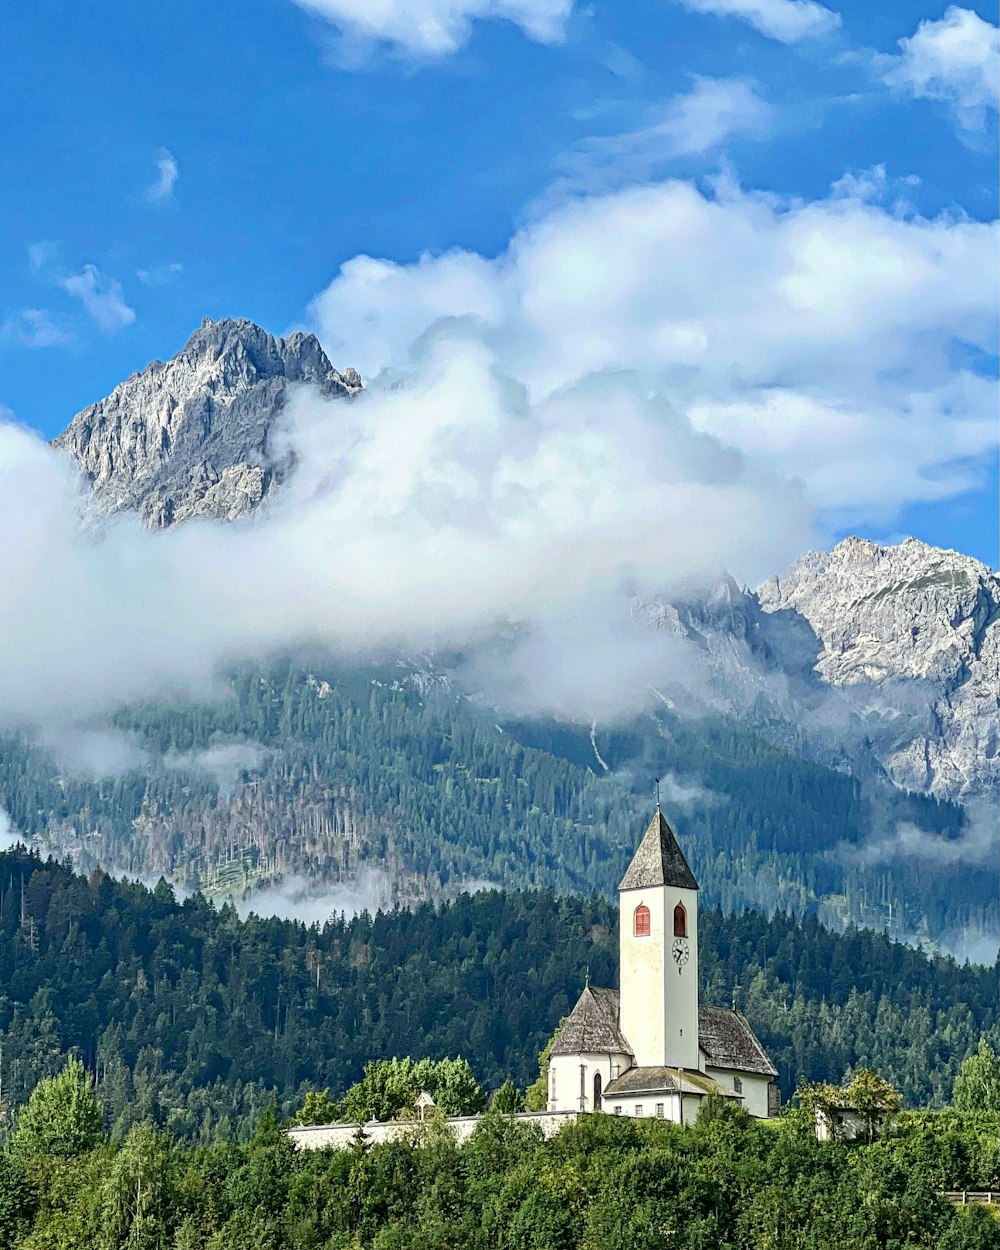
<point>680,951</point>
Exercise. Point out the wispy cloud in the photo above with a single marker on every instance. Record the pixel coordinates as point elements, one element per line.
<point>712,112</point>
<point>42,254</point>
<point>162,187</point>
<point>953,59</point>
<point>103,299</point>
<point>429,29</point>
<point>788,21</point>
<point>160,275</point>
<point>34,328</point>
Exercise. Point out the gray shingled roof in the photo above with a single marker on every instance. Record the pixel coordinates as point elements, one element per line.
<point>729,1042</point>
<point>591,1028</point>
<point>663,1081</point>
<point>658,860</point>
<point>725,1036</point>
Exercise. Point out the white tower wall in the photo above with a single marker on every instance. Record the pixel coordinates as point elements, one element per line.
<point>659,996</point>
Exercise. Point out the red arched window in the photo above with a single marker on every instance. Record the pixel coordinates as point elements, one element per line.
<point>640,921</point>
<point>680,921</point>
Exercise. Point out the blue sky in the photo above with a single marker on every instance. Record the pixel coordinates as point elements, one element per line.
<point>169,163</point>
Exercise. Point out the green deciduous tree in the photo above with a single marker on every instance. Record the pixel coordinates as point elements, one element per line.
<point>977,1086</point>
<point>390,1087</point>
<point>137,1196</point>
<point>62,1118</point>
<point>973,1228</point>
<point>536,1096</point>
<point>873,1098</point>
<point>318,1108</point>
<point>508,1099</point>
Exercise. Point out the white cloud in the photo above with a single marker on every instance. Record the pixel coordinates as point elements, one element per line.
<point>34,328</point>
<point>162,187</point>
<point>954,59</point>
<point>788,21</point>
<point>95,752</point>
<point>712,112</point>
<point>818,338</point>
<point>907,842</point>
<point>9,837</point>
<point>160,275</point>
<point>103,299</point>
<point>300,898</point>
<point>434,28</point>
<point>223,761</point>
<point>642,389</point>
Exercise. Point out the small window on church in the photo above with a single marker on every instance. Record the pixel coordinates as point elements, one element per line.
<point>660,1110</point>
<point>618,1110</point>
<point>680,921</point>
<point>641,921</point>
<point>638,1109</point>
<point>737,1085</point>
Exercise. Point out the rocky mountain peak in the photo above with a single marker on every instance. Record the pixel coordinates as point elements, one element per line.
<point>909,610</point>
<point>924,621</point>
<point>189,436</point>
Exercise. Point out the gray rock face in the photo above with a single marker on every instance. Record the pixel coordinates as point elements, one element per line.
<point>880,661</point>
<point>916,620</point>
<point>189,437</point>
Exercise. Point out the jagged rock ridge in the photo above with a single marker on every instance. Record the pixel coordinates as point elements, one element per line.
<point>909,617</point>
<point>189,436</point>
<point>882,661</point>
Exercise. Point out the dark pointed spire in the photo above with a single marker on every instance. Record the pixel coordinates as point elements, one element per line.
<point>659,859</point>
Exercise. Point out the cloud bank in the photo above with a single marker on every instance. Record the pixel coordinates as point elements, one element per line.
<point>836,342</point>
<point>425,516</point>
<point>643,389</point>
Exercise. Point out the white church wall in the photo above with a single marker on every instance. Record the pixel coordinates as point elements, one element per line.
<point>753,1088</point>
<point>654,1107</point>
<point>571,1079</point>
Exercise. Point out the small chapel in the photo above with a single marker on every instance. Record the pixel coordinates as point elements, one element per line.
<point>649,1048</point>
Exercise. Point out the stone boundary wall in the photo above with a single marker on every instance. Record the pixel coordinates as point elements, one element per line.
<point>340,1136</point>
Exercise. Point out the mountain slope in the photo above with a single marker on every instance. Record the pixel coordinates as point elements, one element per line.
<point>362,786</point>
<point>189,437</point>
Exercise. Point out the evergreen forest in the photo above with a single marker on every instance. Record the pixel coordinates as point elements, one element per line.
<point>194,1019</point>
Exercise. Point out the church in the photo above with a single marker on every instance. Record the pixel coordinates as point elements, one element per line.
<point>646,1049</point>
<point>649,1048</point>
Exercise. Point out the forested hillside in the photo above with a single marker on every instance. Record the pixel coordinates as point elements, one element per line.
<point>192,1017</point>
<point>336,768</point>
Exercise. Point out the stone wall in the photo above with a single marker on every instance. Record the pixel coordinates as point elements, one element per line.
<point>340,1136</point>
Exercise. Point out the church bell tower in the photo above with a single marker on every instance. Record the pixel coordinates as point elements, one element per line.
<point>658,951</point>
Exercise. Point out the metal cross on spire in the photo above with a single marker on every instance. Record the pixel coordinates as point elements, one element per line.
<point>657,794</point>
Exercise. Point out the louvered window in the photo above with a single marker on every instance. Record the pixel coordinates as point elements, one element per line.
<point>680,921</point>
